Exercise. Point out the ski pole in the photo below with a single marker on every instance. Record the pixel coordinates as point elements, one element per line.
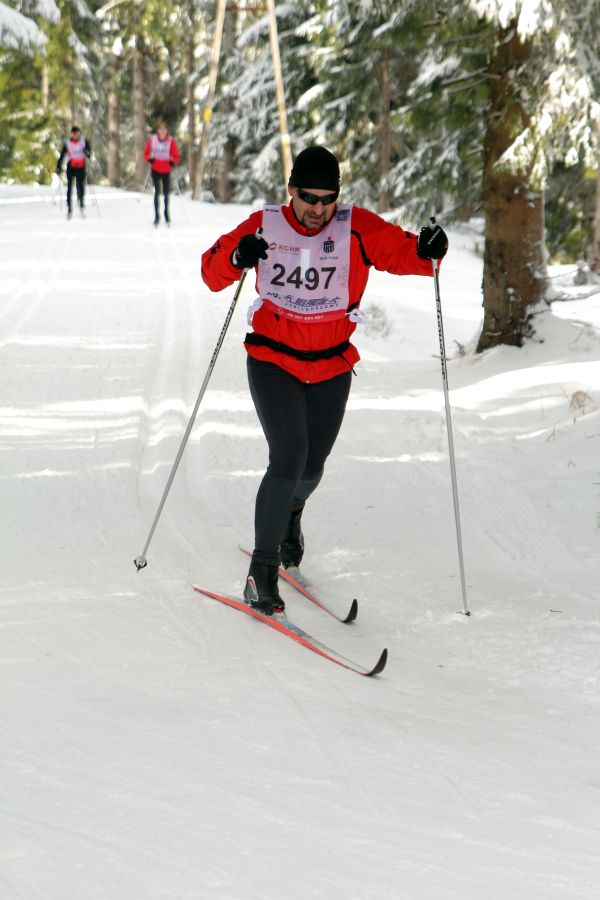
<point>185,215</point>
<point>55,189</point>
<point>141,561</point>
<point>93,193</point>
<point>92,167</point>
<point>438,303</point>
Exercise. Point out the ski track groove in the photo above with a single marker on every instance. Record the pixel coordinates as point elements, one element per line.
<point>173,368</point>
<point>13,317</point>
<point>345,781</point>
<point>105,841</point>
<point>465,799</point>
<point>198,632</point>
<point>268,676</point>
<point>528,545</point>
<point>224,659</point>
<point>165,373</point>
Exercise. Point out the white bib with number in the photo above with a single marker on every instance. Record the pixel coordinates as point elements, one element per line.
<point>306,278</point>
<point>160,149</point>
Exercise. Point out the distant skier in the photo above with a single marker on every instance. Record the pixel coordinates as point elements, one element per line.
<point>312,263</point>
<point>162,153</point>
<point>77,151</point>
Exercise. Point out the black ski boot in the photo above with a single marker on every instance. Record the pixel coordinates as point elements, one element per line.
<point>292,545</point>
<point>262,591</point>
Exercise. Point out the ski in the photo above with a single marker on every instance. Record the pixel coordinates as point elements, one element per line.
<point>281,623</point>
<point>297,579</point>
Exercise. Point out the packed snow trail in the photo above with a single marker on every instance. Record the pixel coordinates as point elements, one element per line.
<point>157,746</point>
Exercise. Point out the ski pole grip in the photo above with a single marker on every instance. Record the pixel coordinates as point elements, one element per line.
<point>257,234</point>
<point>435,229</point>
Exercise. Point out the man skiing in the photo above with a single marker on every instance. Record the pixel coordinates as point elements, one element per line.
<point>312,262</point>
<point>77,151</point>
<point>162,152</point>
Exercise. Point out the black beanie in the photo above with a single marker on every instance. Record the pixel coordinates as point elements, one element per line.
<point>316,167</point>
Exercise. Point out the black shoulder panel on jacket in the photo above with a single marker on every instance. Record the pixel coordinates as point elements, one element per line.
<point>366,259</point>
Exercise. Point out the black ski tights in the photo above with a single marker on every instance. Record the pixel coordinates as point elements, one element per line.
<point>301,422</point>
<point>77,175</point>
<point>161,179</point>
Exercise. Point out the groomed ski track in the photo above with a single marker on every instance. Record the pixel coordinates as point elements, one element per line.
<point>156,746</point>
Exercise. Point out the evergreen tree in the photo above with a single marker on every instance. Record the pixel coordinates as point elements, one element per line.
<point>43,87</point>
<point>25,119</point>
<point>18,28</point>
<point>451,108</point>
<point>525,66</point>
<point>540,110</point>
<point>245,114</point>
<point>364,62</point>
<point>570,204</point>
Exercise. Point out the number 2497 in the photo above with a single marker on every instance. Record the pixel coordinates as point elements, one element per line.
<point>310,280</point>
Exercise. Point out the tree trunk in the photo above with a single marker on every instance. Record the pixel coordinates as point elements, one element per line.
<point>514,270</point>
<point>224,183</point>
<point>45,87</point>
<point>284,134</point>
<point>114,160</point>
<point>72,93</point>
<point>139,105</point>
<point>191,108</point>
<point>595,261</point>
<point>208,108</point>
<point>384,153</point>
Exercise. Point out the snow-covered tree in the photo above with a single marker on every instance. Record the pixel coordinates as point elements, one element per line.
<point>45,86</point>
<point>364,58</point>
<point>18,26</point>
<point>525,64</point>
<point>245,114</point>
<point>595,251</point>
<point>540,110</point>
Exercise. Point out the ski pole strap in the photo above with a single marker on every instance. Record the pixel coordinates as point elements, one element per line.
<point>261,340</point>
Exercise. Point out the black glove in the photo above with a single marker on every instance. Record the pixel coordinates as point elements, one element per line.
<point>432,242</point>
<point>248,252</point>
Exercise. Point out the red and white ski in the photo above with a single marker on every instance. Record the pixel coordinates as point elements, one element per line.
<point>296,578</point>
<point>281,623</point>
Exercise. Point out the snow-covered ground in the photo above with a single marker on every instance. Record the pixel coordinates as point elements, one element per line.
<point>155,745</point>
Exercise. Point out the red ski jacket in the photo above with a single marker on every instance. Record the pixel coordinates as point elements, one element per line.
<point>374,242</point>
<point>163,156</point>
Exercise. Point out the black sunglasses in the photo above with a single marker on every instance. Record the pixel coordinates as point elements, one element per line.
<point>312,199</point>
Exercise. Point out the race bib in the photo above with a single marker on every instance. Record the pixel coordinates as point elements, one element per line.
<point>76,153</point>
<point>306,278</point>
<point>160,149</point>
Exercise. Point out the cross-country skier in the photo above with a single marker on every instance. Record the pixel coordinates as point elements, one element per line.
<point>76,149</point>
<point>162,152</point>
<point>312,262</point>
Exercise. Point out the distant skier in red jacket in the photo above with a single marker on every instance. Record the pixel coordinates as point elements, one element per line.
<point>162,152</point>
<point>312,263</point>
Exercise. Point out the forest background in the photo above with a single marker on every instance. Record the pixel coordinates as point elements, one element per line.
<point>475,110</point>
